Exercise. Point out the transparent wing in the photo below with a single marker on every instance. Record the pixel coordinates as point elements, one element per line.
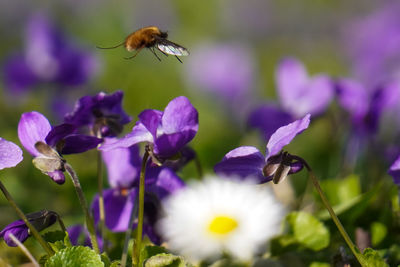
<point>171,48</point>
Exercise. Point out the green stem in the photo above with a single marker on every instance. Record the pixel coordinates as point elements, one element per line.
<point>89,219</point>
<point>335,219</point>
<point>32,229</point>
<point>24,250</point>
<point>124,256</point>
<point>139,230</point>
<point>101,198</point>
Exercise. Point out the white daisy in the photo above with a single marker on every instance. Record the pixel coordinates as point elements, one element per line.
<point>219,215</point>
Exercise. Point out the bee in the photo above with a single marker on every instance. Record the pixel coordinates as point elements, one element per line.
<point>151,37</point>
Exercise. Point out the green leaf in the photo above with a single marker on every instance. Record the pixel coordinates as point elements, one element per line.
<point>166,260</point>
<point>373,259</point>
<point>378,233</point>
<point>343,190</point>
<point>319,264</point>
<point>105,259</point>
<point>54,236</point>
<point>149,251</point>
<point>75,256</point>
<point>308,230</point>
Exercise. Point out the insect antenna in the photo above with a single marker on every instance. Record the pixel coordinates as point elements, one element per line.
<point>112,47</point>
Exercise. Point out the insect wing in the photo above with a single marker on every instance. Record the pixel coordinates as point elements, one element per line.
<point>171,48</point>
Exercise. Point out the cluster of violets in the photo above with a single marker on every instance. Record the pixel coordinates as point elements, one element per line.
<point>96,122</point>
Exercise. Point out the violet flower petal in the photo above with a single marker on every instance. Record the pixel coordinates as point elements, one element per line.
<point>123,165</point>
<point>10,154</point>
<point>180,116</point>
<point>353,97</point>
<point>33,127</point>
<point>268,118</point>
<point>118,208</point>
<point>139,134</point>
<point>300,94</point>
<point>285,134</point>
<point>167,183</point>
<point>18,229</point>
<point>151,119</point>
<point>168,145</point>
<point>394,171</point>
<point>243,161</point>
<point>78,143</point>
<point>18,76</point>
<point>59,132</point>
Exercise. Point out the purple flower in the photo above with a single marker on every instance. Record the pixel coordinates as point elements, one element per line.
<point>167,132</point>
<point>40,220</point>
<point>102,113</point>
<point>394,171</point>
<point>123,166</point>
<point>10,154</point>
<point>78,235</point>
<point>268,118</point>
<point>48,58</point>
<point>300,94</point>
<point>248,161</point>
<point>373,43</point>
<point>224,70</point>
<point>47,143</point>
<point>366,106</point>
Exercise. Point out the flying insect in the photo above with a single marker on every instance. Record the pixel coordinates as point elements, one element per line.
<point>151,37</point>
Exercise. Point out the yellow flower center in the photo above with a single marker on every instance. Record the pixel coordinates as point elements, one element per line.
<point>222,225</point>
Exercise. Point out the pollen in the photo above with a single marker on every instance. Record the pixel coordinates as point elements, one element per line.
<point>222,225</point>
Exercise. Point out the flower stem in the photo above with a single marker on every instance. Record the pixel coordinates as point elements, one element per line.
<point>89,219</point>
<point>128,233</point>
<point>335,219</point>
<point>24,250</point>
<point>101,198</point>
<point>139,230</point>
<point>33,230</point>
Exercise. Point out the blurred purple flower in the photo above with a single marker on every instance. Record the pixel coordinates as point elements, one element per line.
<point>123,166</point>
<point>267,118</point>
<point>167,132</point>
<point>102,113</point>
<point>223,70</point>
<point>394,171</point>
<point>367,106</point>
<point>33,128</point>
<point>79,235</point>
<point>373,43</point>
<point>10,154</point>
<point>49,57</point>
<point>40,220</point>
<point>300,94</point>
<point>248,161</point>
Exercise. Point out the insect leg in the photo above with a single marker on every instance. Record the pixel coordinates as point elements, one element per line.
<point>179,59</point>
<point>154,52</point>
<point>137,52</point>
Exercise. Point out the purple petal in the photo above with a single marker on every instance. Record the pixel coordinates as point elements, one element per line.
<point>243,161</point>
<point>57,176</point>
<point>151,119</point>
<point>58,133</point>
<point>300,94</point>
<point>78,143</point>
<point>74,232</point>
<point>168,145</point>
<point>18,229</point>
<point>33,127</point>
<point>123,165</point>
<point>17,75</point>
<point>118,207</point>
<point>285,135</point>
<point>394,171</point>
<point>10,154</point>
<point>139,134</point>
<point>180,116</point>
<point>167,183</point>
<point>268,118</point>
<point>353,97</point>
